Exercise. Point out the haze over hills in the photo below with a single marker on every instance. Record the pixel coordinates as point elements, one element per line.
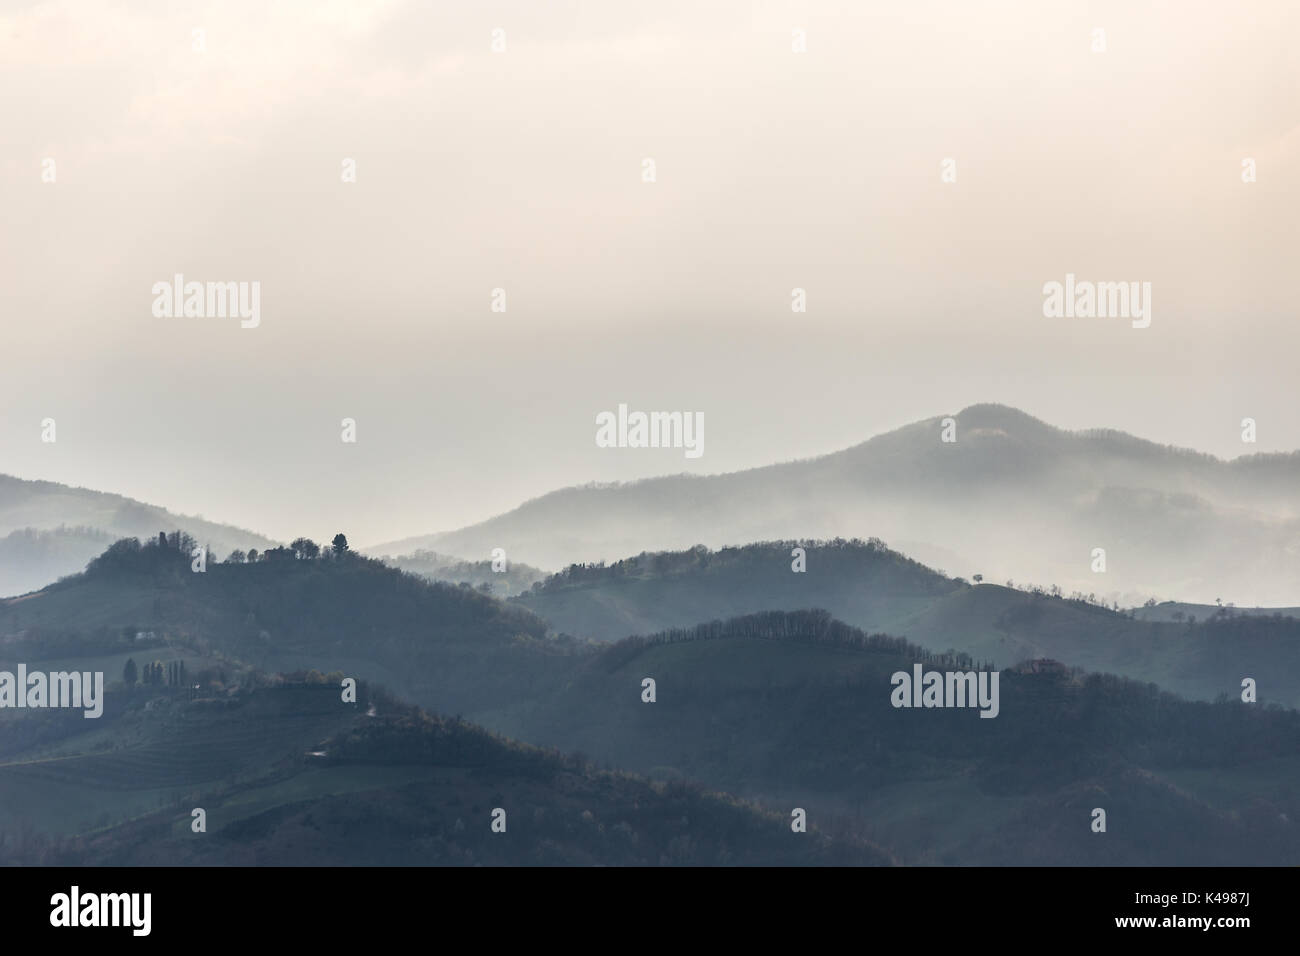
<point>1201,654</point>
<point>48,530</point>
<point>1011,498</point>
<point>456,650</point>
<point>512,579</point>
<point>785,708</point>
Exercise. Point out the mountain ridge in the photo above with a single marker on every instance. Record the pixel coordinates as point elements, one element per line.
<point>49,530</point>
<point>1010,496</point>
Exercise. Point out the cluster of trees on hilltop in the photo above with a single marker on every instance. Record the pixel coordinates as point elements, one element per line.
<point>129,554</point>
<point>299,549</point>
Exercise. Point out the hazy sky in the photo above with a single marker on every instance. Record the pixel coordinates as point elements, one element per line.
<point>523,170</point>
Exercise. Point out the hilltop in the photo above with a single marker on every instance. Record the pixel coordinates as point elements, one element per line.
<point>447,647</point>
<point>1010,498</point>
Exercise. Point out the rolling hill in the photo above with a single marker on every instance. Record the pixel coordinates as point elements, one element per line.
<point>408,789</point>
<point>784,709</point>
<point>48,530</point>
<point>874,588</point>
<point>446,647</point>
<point>795,709</point>
<point>287,774</point>
<point>1010,498</point>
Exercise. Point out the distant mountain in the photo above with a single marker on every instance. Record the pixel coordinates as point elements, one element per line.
<point>31,559</point>
<point>1178,611</point>
<point>1010,498</point>
<point>48,530</point>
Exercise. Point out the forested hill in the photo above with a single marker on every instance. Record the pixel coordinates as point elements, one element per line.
<point>875,588</point>
<point>410,789</point>
<point>444,646</point>
<point>796,708</point>
<point>860,581</point>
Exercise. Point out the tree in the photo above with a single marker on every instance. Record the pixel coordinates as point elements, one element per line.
<point>340,543</point>
<point>236,557</point>
<point>252,555</point>
<point>978,578</point>
<point>305,549</point>
<point>129,672</point>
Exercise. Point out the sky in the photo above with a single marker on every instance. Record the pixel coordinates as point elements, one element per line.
<point>219,155</point>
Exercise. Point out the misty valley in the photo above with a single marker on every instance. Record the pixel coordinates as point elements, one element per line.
<point>356,508</point>
<point>312,705</point>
